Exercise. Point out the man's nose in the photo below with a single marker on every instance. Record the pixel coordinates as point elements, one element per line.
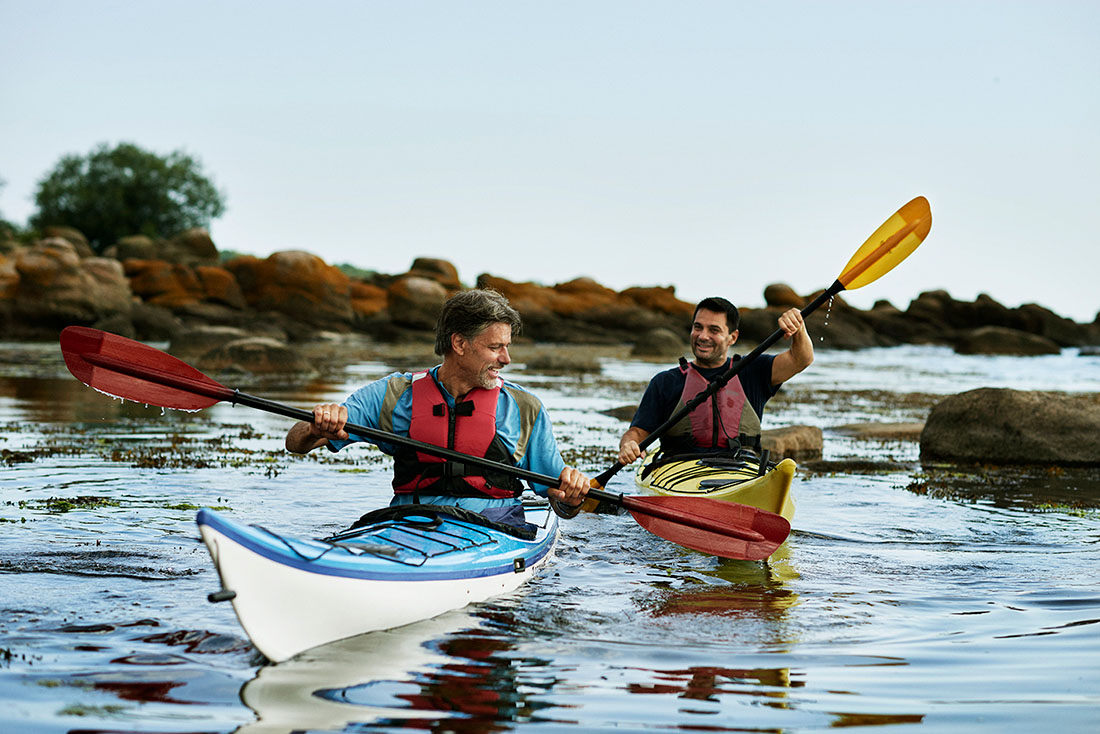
<point>505,358</point>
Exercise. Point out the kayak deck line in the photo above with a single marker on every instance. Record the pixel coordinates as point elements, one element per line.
<point>705,474</point>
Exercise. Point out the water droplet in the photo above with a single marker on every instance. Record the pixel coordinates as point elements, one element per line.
<point>828,312</point>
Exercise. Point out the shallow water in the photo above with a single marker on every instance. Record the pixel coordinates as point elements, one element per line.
<point>947,601</point>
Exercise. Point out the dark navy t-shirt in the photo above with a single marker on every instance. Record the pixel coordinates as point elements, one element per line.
<point>664,390</point>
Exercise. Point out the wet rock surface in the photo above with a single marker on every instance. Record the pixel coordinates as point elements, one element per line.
<point>1004,426</point>
<point>1002,340</point>
<point>801,443</point>
<point>57,281</point>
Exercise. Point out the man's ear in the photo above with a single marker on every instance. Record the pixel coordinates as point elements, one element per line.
<point>733,335</point>
<point>458,344</point>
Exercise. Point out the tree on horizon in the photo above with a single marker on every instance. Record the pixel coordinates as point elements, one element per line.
<point>115,192</point>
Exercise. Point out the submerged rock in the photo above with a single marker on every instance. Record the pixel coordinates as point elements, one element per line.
<point>553,362</point>
<point>258,355</point>
<point>659,342</point>
<point>882,431</point>
<point>1002,340</point>
<point>1003,426</point>
<point>197,341</point>
<point>623,412</point>
<point>801,443</point>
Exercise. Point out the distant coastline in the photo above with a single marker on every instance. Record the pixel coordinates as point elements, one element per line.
<point>159,290</point>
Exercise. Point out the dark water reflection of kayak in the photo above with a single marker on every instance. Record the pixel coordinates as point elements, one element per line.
<point>947,600</point>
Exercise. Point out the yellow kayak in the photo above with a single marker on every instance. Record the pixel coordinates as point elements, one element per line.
<point>732,478</point>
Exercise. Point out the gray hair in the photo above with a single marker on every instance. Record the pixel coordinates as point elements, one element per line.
<point>468,313</point>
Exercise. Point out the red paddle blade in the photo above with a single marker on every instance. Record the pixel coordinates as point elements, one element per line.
<point>124,368</point>
<point>719,528</point>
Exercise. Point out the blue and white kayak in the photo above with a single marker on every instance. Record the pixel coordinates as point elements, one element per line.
<point>405,564</point>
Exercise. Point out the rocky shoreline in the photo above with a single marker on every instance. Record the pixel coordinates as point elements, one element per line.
<point>164,290</point>
<point>272,316</point>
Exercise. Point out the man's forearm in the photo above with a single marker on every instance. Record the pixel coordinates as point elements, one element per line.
<point>802,349</point>
<point>629,450</point>
<point>635,434</point>
<point>300,439</point>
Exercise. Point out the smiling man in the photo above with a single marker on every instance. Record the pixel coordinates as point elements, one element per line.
<point>730,419</point>
<point>461,404</point>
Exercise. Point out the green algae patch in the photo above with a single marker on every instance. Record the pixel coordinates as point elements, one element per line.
<point>235,446</point>
<point>1064,509</point>
<point>11,458</point>
<point>191,507</point>
<point>58,505</point>
<point>1067,490</point>
<point>111,709</point>
<point>182,506</point>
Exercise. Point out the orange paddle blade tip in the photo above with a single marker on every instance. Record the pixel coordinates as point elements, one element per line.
<point>889,245</point>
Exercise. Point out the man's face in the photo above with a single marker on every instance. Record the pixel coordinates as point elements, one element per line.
<point>711,338</point>
<point>481,358</point>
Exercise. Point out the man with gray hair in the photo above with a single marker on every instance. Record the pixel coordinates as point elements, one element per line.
<point>461,404</point>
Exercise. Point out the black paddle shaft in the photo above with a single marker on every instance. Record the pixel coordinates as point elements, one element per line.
<point>643,506</point>
<point>240,398</point>
<point>378,434</point>
<point>719,382</point>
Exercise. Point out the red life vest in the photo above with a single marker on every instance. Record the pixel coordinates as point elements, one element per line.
<point>724,417</point>
<point>470,428</point>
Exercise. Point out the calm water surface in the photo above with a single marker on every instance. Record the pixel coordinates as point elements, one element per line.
<point>902,598</point>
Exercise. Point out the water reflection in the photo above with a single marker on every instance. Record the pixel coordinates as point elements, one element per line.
<point>748,590</point>
<point>60,398</point>
<point>708,683</point>
<point>445,673</point>
<point>54,400</point>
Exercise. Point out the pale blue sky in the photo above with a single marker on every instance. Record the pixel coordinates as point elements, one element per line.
<point>714,146</point>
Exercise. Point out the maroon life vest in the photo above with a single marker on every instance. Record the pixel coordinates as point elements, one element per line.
<point>725,416</point>
<point>470,428</point>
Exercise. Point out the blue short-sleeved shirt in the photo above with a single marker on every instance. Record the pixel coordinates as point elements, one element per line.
<point>365,407</point>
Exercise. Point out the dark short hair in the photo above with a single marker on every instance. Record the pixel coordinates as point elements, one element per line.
<point>468,313</point>
<point>720,305</point>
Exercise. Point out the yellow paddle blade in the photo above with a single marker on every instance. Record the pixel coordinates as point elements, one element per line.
<point>889,245</point>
